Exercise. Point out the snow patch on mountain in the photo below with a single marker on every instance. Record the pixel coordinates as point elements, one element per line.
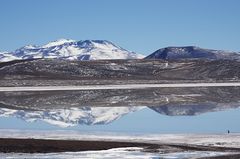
<point>6,56</point>
<point>58,42</point>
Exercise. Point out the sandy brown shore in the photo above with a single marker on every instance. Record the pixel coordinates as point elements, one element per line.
<point>8,145</point>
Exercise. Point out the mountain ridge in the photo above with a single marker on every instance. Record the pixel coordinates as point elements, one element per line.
<point>69,49</point>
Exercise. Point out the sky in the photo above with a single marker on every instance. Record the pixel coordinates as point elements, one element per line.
<point>142,26</point>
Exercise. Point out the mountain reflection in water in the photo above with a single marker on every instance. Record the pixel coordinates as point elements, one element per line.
<point>100,107</point>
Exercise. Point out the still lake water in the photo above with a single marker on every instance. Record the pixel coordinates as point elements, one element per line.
<point>155,110</point>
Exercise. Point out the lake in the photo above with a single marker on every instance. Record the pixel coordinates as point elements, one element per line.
<point>132,111</point>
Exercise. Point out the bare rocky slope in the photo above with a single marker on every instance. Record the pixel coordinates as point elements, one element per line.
<point>189,70</point>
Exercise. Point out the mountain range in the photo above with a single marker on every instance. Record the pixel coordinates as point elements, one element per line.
<point>104,50</point>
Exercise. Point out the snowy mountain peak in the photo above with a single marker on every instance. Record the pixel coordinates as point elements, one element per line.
<point>58,42</point>
<point>30,47</point>
<point>97,44</point>
<point>72,50</point>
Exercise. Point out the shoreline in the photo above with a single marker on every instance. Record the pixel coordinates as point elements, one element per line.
<point>119,86</point>
<point>31,145</point>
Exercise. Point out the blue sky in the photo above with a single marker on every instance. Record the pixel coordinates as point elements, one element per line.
<point>139,25</point>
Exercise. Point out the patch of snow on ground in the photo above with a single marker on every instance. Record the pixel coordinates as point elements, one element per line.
<point>116,153</point>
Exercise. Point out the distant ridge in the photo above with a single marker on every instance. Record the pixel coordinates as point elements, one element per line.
<point>105,50</point>
<point>171,53</point>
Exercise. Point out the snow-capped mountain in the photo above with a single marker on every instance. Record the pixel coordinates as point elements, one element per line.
<point>192,52</point>
<point>71,50</point>
<point>72,116</point>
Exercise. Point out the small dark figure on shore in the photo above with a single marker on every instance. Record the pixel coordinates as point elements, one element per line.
<point>228,131</point>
